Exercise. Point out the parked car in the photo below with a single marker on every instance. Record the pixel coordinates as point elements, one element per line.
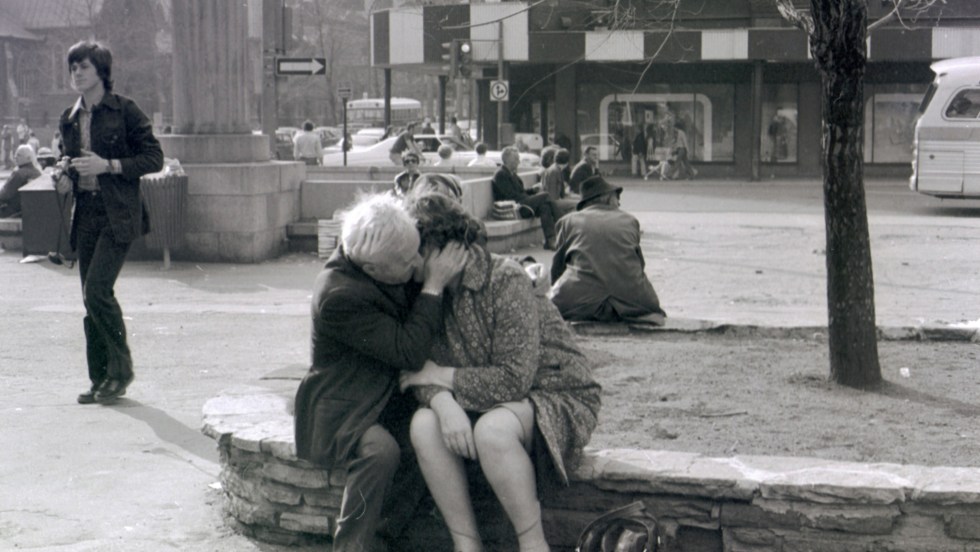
<point>378,154</point>
<point>329,136</point>
<point>284,142</point>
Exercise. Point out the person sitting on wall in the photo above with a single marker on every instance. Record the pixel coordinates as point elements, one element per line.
<point>481,157</point>
<point>598,269</point>
<point>405,180</point>
<point>507,185</point>
<point>27,170</point>
<point>445,153</point>
<point>586,168</point>
<point>368,324</point>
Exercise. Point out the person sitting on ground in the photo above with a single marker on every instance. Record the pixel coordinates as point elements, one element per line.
<point>445,153</point>
<point>26,171</point>
<point>507,185</point>
<point>598,269</point>
<point>306,145</point>
<point>368,324</point>
<point>586,168</point>
<point>405,180</point>
<point>481,157</point>
<point>505,386</point>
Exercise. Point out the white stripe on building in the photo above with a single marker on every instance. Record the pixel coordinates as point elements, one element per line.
<point>729,44</point>
<point>950,43</point>
<point>614,45</point>
<point>484,31</point>
<point>405,34</point>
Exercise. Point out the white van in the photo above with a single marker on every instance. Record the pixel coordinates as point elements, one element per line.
<point>946,160</point>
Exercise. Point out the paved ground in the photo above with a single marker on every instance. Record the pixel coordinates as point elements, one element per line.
<point>139,475</point>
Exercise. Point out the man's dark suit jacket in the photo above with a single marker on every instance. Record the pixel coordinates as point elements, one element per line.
<point>364,333</point>
<point>119,130</point>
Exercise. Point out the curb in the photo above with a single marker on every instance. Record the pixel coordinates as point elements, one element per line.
<point>935,333</point>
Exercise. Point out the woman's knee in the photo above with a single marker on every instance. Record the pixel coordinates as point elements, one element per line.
<point>497,432</point>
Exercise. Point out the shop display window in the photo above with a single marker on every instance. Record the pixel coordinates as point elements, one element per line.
<point>890,112</point>
<point>778,142</point>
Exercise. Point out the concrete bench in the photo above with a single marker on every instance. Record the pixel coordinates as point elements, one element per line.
<point>323,196</point>
<point>12,234</point>
<point>742,503</point>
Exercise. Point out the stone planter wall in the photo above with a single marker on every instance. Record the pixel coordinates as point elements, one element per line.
<point>739,504</point>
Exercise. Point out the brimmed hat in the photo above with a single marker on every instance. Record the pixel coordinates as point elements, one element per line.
<point>45,153</point>
<point>594,187</point>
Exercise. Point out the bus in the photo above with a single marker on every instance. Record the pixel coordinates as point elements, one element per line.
<point>370,112</point>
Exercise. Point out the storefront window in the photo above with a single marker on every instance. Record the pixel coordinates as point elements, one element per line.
<point>779,123</point>
<point>706,113</point>
<point>890,111</point>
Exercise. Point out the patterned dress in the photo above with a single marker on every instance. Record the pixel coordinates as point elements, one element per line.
<point>508,344</point>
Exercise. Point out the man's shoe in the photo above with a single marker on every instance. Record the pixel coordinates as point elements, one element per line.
<point>87,397</point>
<point>111,390</point>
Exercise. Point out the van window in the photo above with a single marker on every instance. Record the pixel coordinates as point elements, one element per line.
<point>964,105</point>
<point>928,97</point>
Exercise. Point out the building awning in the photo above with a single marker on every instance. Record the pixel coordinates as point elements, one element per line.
<point>11,29</point>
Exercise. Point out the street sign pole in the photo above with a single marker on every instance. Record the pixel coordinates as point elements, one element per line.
<point>345,91</point>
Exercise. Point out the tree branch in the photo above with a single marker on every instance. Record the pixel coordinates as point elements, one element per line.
<point>802,20</point>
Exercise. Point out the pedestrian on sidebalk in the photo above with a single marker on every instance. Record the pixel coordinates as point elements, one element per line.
<point>109,143</point>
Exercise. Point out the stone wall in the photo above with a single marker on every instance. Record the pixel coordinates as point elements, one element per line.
<point>738,504</point>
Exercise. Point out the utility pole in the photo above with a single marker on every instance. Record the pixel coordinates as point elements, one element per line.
<point>500,76</point>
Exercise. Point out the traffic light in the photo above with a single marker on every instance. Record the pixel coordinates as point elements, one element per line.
<point>464,58</point>
<point>451,57</point>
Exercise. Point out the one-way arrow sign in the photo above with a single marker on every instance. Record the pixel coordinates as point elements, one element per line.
<point>301,66</point>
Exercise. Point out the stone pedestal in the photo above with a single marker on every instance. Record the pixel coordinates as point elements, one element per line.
<point>238,201</point>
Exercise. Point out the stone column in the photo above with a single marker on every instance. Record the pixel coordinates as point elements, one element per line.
<point>239,202</point>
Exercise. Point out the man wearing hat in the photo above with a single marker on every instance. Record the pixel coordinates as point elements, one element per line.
<point>598,268</point>
<point>46,158</point>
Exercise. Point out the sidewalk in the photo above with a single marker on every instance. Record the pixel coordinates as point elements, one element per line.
<point>139,475</point>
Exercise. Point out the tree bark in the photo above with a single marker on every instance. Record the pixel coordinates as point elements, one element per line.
<point>838,45</point>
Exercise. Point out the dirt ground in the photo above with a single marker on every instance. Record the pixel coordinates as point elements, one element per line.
<point>724,396</point>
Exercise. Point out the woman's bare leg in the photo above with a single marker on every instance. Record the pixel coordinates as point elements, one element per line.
<point>444,474</point>
<point>502,441</point>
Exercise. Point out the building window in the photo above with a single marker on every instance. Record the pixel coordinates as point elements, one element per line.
<point>706,113</point>
<point>890,111</point>
<point>779,129</point>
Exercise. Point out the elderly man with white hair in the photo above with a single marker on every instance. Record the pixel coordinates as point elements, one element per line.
<point>369,324</point>
<point>27,170</point>
<point>507,185</point>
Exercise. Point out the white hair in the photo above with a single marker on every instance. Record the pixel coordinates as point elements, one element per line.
<point>25,151</point>
<point>372,224</point>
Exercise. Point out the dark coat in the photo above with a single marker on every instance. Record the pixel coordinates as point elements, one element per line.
<point>507,185</point>
<point>119,130</point>
<point>363,334</point>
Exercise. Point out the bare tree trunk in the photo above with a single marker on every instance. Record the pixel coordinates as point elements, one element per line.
<point>838,46</point>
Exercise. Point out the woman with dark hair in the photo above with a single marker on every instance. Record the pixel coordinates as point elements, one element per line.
<point>506,386</point>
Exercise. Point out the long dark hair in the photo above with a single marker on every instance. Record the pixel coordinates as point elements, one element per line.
<point>98,55</point>
<point>441,220</point>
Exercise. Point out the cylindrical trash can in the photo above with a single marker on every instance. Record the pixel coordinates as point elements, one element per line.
<point>166,199</point>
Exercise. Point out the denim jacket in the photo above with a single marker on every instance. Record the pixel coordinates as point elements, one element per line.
<point>119,130</point>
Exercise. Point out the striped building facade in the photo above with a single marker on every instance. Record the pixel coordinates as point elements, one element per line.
<point>731,73</point>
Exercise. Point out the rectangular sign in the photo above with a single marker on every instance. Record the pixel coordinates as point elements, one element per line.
<point>301,66</point>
